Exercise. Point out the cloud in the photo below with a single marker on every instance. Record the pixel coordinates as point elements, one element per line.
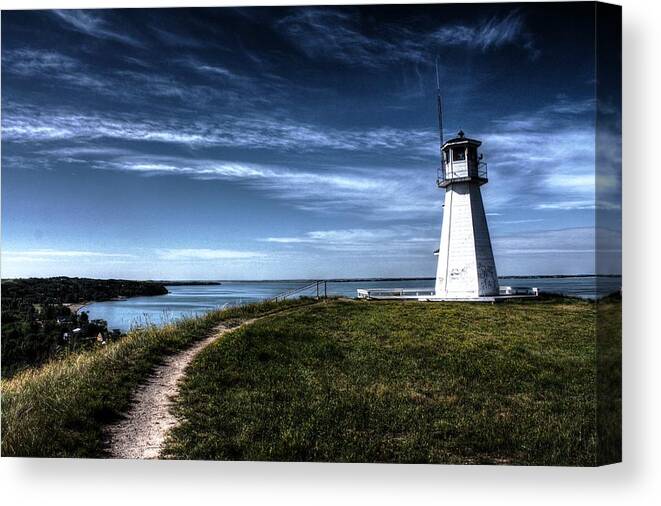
<point>30,62</point>
<point>188,254</point>
<point>559,241</point>
<point>338,190</point>
<point>123,85</point>
<point>94,25</point>
<point>404,242</point>
<point>543,160</point>
<point>39,255</point>
<point>347,236</point>
<point>85,151</point>
<point>395,240</point>
<point>573,205</point>
<point>559,251</point>
<point>336,35</point>
<point>48,64</point>
<point>339,35</point>
<point>211,82</point>
<point>250,131</point>
<point>215,70</point>
<point>573,181</point>
<point>488,34</point>
<point>553,159</point>
<point>518,222</point>
<point>173,39</point>
<point>199,169</point>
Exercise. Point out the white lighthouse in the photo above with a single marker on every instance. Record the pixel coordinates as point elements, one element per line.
<point>466,268</point>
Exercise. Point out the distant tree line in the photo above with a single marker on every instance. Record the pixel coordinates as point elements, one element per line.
<point>73,290</point>
<point>37,325</point>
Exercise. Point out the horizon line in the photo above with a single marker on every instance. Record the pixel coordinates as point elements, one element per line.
<point>328,280</point>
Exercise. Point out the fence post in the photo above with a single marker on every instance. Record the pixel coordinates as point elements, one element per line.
<point>325,293</point>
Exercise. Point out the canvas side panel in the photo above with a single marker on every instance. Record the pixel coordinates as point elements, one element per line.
<point>608,222</point>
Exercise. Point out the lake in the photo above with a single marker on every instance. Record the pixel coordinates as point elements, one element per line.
<point>190,300</point>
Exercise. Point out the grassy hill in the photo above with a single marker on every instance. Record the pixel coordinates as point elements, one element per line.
<point>398,382</point>
<point>342,381</point>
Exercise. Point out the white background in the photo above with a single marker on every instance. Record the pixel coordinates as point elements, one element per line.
<point>636,481</point>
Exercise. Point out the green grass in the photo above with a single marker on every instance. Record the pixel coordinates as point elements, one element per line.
<point>398,382</point>
<point>609,379</point>
<point>60,409</point>
<point>342,381</point>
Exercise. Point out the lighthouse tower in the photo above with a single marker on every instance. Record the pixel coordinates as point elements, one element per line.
<point>466,268</point>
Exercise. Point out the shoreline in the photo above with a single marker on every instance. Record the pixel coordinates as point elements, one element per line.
<point>74,307</point>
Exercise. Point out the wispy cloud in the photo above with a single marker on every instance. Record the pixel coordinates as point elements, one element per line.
<point>340,190</point>
<point>544,160</point>
<point>559,241</point>
<point>117,83</point>
<point>94,24</point>
<point>206,68</point>
<point>346,236</point>
<point>335,35</point>
<point>33,125</point>
<point>574,205</point>
<point>188,254</point>
<point>42,64</point>
<point>200,169</point>
<point>39,255</point>
<point>396,239</point>
<point>338,35</point>
<point>488,34</point>
<point>518,222</point>
<point>86,151</point>
<point>174,39</point>
<point>29,62</point>
<point>152,84</point>
<point>137,81</point>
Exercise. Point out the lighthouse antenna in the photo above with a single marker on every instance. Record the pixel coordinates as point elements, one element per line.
<point>439,104</point>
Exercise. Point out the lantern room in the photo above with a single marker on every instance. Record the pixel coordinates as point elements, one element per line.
<point>461,162</point>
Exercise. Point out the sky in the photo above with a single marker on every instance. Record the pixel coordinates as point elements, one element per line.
<point>298,142</point>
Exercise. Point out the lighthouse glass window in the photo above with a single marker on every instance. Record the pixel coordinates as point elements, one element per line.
<point>337,280</point>
<point>459,154</point>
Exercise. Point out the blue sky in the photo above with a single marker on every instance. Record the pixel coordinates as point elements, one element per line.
<point>267,143</point>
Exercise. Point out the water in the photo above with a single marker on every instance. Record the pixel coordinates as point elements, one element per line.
<point>193,300</point>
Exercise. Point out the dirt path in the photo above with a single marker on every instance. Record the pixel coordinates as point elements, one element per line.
<point>141,434</point>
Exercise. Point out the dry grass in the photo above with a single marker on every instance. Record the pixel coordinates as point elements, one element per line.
<point>59,409</point>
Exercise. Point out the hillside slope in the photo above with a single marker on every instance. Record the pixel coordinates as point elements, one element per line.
<point>62,408</point>
<point>398,382</point>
